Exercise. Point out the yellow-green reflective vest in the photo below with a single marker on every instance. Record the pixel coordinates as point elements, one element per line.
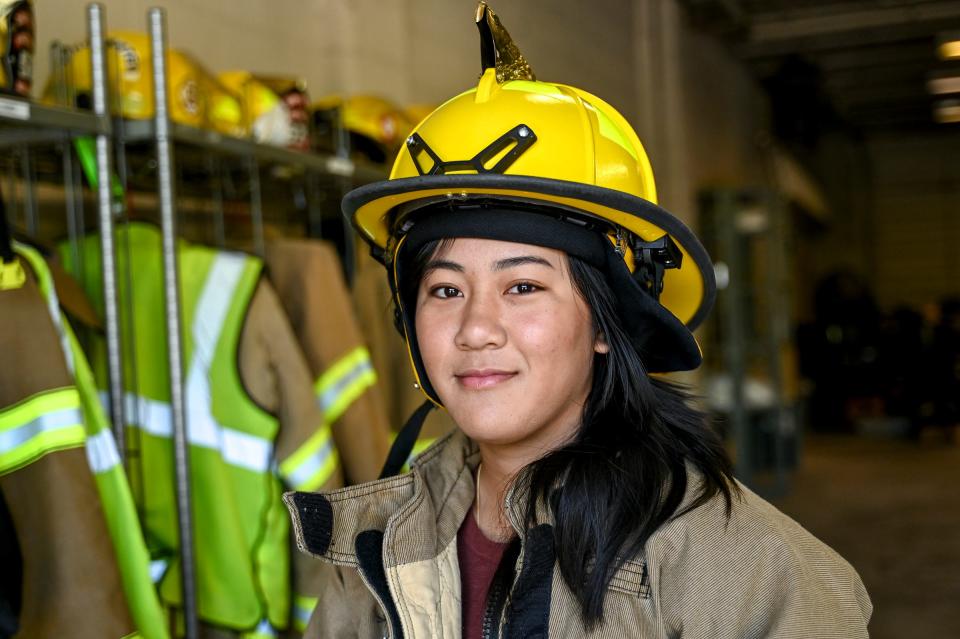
<point>73,417</point>
<point>239,523</point>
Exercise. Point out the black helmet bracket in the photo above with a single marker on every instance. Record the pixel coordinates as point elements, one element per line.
<point>520,137</point>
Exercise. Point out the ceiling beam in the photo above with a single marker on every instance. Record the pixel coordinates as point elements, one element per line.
<point>901,74</point>
<point>874,56</point>
<point>907,70</point>
<point>879,93</point>
<point>920,33</point>
<point>837,42</point>
<point>803,23</point>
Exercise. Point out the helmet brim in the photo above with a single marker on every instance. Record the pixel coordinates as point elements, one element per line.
<point>689,291</point>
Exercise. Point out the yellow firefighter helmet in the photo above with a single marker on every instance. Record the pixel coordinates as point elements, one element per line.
<point>543,163</point>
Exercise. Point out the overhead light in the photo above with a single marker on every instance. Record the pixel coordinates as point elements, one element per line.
<point>940,84</point>
<point>949,45</point>
<point>946,111</point>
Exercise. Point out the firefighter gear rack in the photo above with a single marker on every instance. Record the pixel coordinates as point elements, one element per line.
<point>27,125</point>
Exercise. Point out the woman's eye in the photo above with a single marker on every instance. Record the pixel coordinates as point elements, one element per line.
<point>443,292</point>
<point>523,288</point>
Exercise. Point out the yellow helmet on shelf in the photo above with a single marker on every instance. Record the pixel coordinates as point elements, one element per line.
<point>514,147</point>
<point>275,107</point>
<point>376,125</point>
<point>196,97</point>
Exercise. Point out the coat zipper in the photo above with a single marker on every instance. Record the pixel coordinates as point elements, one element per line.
<point>493,611</point>
<point>499,594</point>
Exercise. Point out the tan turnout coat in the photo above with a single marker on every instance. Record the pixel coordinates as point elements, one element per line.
<point>70,583</point>
<point>394,548</point>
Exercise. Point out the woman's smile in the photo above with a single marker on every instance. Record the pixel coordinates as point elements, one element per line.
<point>484,378</point>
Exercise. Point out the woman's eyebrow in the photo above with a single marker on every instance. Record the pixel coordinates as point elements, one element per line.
<point>433,265</point>
<point>510,262</point>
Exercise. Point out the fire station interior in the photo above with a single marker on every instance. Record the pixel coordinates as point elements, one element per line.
<point>814,147</point>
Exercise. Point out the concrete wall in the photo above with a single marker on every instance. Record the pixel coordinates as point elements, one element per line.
<point>896,214</point>
<point>916,217</point>
<point>727,117</point>
<point>408,50</point>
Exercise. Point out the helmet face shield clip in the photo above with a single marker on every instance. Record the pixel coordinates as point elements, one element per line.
<point>652,259</point>
<point>520,137</point>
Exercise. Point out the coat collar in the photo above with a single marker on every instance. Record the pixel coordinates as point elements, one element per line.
<point>419,512</point>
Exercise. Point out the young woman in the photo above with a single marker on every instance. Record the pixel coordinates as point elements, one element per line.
<point>538,287</point>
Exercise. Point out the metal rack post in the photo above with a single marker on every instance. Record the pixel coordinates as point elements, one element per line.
<point>165,192</point>
<point>104,205</point>
<point>256,206</point>
<point>731,303</point>
<point>70,200</point>
<point>776,284</point>
<point>216,192</point>
<point>28,171</point>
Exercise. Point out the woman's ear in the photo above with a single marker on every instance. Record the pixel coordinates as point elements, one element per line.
<point>600,345</point>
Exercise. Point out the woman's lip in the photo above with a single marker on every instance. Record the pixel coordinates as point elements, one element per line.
<point>481,379</point>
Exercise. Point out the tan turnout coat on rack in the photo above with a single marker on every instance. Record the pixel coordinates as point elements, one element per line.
<point>71,581</point>
<point>308,278</point>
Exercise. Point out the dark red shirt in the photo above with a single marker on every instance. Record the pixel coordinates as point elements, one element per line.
<point>479,558</point>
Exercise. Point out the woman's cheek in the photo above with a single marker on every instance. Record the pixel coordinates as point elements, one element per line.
<point>436,334</point>
<point>538,335</point>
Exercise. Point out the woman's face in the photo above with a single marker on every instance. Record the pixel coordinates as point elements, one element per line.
<point>507,341</point>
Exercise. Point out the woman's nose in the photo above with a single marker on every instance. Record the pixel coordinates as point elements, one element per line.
<point>480,325</point>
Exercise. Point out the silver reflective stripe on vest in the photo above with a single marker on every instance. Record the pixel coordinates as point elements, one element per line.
<point>45,423</point>
<point>240,449</point>
<point>263,631</point>
<point>158,568</point>
<point>102,452</point>
<point>150,415</point>
<point>237,449</point>
<point>53,304</point>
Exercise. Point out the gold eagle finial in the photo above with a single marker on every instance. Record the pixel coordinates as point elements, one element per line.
<point>497,49</point>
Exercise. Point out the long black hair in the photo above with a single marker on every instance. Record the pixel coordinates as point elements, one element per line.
<point>625,473</point>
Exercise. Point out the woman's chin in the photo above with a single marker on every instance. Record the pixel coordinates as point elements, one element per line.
<point>490,428</point>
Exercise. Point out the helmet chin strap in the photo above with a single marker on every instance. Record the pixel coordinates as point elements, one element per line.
<point>406,439</point>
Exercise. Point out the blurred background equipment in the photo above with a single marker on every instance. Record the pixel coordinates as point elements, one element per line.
<point>18,35</point>
<point>274,108</point>
<point>751,376</point>
<point>375,127</point>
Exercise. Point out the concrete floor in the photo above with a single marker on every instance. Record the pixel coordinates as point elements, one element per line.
<point>892,509</point>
